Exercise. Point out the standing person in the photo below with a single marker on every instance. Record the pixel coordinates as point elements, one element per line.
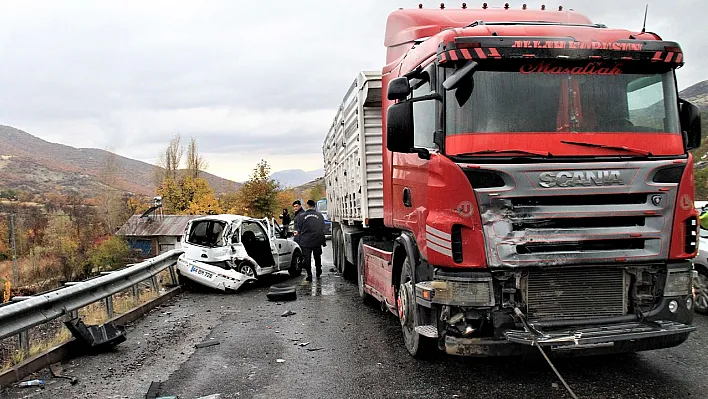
<point>297,206</point>
<point>310,228</point>
<point>285,217</point>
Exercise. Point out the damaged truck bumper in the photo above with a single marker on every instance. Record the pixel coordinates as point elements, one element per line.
<point>628,337</point>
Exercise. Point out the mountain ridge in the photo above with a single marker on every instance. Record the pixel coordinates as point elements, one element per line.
<point>31,164</point>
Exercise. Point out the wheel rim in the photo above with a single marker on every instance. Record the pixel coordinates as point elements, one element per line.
<point>700,292</point>
<point>298,262</point>
<point>361,274</point>
<point>405,314</point>
<point>247,270</point>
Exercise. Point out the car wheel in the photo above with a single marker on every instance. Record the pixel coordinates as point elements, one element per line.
<point>296,265</point>
<point>700,290</point>
<point>418,346</point>
<point>246,268</point>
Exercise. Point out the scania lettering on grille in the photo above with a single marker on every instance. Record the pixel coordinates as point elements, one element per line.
<point>580,178</point>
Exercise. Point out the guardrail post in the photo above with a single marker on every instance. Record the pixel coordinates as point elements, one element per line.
<point>153,283</point>
<point>136,292</point>
<point>109,306</point>
<point>173,276</point>
<point>24,343</point>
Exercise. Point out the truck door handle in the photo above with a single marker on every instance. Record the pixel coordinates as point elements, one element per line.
<point>407,202</point>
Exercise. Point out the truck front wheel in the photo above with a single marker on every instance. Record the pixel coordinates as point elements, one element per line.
<point>418,346</point>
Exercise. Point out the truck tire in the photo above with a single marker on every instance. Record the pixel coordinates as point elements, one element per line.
<point>361,265</point>
<point>335,248</point>
<point>700,290</point>
<point>418,346</point>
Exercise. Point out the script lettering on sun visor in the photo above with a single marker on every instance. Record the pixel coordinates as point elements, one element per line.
<point>592,68</point>
<point>563,44</point>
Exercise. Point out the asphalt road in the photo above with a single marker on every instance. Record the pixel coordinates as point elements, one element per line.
<point>337,347</point>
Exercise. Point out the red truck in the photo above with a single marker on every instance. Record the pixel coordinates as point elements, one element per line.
<point>513,178</point>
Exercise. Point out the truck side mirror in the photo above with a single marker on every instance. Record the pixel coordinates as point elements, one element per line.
<point>399,127</point>
<point>398,89</point>
<point>690,117</point>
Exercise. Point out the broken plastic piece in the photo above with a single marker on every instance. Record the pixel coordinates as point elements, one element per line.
<point>288,313</point>
<point>207,344</point>
<point>96,337</point>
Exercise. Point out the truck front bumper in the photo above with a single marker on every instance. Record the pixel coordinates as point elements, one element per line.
<point>615,338</point>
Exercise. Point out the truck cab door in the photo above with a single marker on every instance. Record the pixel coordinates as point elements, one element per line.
<point>410,171</point>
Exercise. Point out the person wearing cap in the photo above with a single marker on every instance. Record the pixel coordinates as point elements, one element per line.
<point>310,227</point>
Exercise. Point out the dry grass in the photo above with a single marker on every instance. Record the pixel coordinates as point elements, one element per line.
<point>36,347</point>
<point>92,315</point>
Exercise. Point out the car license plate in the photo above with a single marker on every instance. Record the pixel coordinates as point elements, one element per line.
<point>201,272</point>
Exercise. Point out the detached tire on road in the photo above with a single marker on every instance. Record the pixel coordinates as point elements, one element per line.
<point>281,292</point>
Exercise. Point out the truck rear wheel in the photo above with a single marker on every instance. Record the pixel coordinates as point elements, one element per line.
<point>361,266</point>
<point>335,248</point>
<point>418,346</point>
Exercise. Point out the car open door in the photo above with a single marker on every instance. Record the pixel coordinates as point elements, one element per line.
<point>272,239</point>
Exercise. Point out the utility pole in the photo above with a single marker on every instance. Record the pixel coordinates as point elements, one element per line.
<point>15,269</point>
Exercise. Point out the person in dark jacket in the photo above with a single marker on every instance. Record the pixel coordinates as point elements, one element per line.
<point>310,228</point>
<point>285,217</point>
<point>297,206</point>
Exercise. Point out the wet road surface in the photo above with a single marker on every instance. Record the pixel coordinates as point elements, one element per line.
<point>337,347</point>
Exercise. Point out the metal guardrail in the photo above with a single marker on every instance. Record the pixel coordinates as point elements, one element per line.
<point>17,318</point>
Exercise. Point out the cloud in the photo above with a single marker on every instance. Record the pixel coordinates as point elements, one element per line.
<point>248,80</point>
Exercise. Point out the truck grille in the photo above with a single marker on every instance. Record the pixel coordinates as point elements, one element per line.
<point>576,293</point>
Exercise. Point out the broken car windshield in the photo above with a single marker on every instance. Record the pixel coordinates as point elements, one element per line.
<point>207,233</point>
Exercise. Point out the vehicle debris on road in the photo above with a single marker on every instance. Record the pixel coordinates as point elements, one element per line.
<point>207,344</point>
<point>288,313</point>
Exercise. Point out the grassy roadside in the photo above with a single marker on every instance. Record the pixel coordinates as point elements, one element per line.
<point>93,314</point>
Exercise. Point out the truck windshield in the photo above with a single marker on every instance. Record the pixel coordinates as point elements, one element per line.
<point>544,97</point>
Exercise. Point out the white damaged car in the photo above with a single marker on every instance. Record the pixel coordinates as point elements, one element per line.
<point>225,251</point>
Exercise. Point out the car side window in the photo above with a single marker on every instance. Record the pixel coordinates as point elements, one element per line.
<point>256,229</point>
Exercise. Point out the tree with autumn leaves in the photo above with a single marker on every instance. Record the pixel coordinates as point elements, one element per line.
<point>183,192</point>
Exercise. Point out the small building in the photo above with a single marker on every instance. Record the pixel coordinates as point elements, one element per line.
<point>155,234</point>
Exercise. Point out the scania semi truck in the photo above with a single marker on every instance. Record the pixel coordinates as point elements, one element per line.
<point>514,178</point>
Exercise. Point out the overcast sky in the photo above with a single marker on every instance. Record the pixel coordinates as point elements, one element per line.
<point>248,80</point>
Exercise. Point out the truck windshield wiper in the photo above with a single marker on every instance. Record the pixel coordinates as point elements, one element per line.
<point>609,147</point>
<point>525,152</point>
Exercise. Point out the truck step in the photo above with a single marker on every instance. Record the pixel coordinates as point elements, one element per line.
<point>427,331</point>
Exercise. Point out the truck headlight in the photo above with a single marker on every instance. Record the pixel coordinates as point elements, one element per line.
<point>678,283</point>
<point>461,292</point>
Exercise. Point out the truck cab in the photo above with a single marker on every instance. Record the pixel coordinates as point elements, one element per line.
<point>537,185</point>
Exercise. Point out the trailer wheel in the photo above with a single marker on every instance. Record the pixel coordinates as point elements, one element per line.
<point>335,248</point>
<point>361,266</point>
<point>418,346</point>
